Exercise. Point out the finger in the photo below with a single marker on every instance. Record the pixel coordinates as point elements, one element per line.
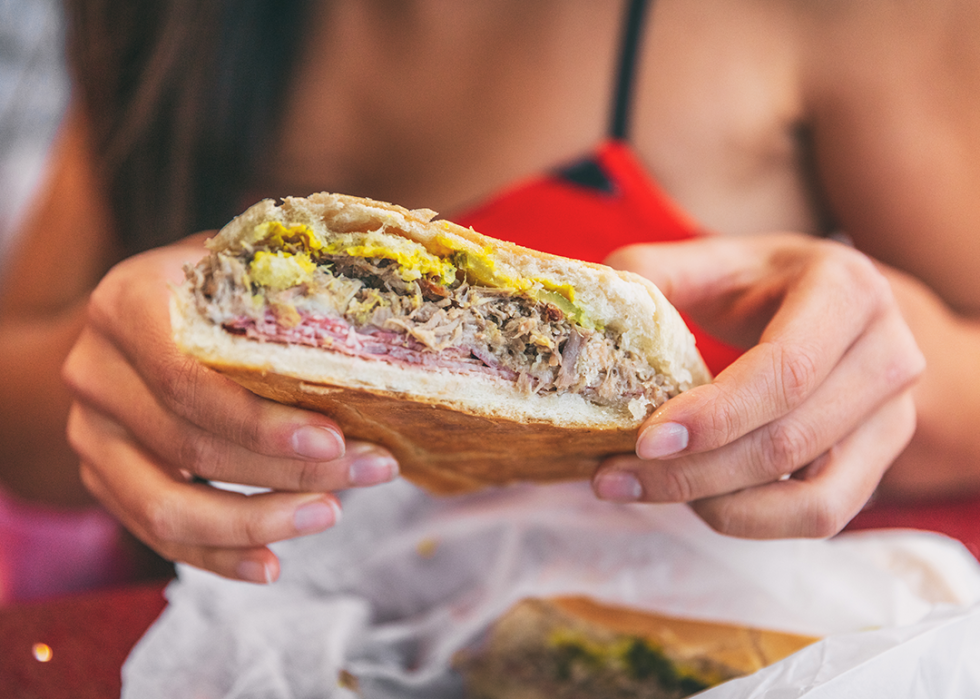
<point>705,279</point>
<point>711,271</point>
<point>784,445</point>
<point>707,273</point>
<point>184,446</point>
<point>256,564</point>
<point>170,511</point>
<point>821,500</point>
<point>207,400</point>
<point>836,301</point>
<point>138,291</point>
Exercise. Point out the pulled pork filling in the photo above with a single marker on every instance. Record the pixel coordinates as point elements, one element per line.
<point>363,306</point>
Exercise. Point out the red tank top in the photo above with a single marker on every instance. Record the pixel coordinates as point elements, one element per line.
<point>587,210</point>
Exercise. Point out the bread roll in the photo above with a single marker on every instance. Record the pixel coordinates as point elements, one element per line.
<point>396,325</point>
<point>577,648</point>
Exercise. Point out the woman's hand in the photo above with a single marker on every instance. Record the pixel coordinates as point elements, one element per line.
<point>793,437</point>
<point>150,423</point>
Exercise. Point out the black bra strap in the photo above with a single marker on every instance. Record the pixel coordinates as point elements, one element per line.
<point>629,48</point>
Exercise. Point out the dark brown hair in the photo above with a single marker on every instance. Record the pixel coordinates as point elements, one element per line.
<point>182,97</point>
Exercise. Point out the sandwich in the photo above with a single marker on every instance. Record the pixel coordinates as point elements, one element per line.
<point>473,360</point>
<point>577,648</point>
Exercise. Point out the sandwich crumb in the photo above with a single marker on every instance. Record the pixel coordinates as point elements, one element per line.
<point>348,681</point>
<point>427,547</point>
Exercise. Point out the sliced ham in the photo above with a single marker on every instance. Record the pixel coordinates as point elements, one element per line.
<point>364,308</point>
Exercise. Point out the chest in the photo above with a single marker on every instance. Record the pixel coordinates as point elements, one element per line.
<point>441,104</point>
<point>446,104</point>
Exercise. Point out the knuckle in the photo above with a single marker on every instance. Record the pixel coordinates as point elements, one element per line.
<point>160,520</point>
<point>908,361</point>
<point>107,302</point>
<point>677,485</point>
<point>176,385</point>
<point>183,387</point>
<point>723,422</point>
<point>826,516</point>
<point>718,514</point>
<point>250,428</point>
<point>796,371</point>
<point>252,531</point>
<point>101,303</point>
<point>194,455</point>
<point>831,257</point>
<point>873,284</point>
<point>845,268</point>
<point>878,289</point>
<point>863,277</point>
<point>312,477</point>
<point>916,363</point>
<point>212,559</point>
<point>787,445</point>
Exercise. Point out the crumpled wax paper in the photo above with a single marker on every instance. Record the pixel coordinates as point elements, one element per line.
<point>377,606</point>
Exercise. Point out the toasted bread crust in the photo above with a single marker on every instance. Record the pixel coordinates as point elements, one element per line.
<point>451,432</point>
<point>741,648</point>
<point>617,299</point>
<point>443,448</point>
<point>576,647</point>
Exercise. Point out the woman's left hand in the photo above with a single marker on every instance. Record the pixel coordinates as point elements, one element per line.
<point>793,437</point>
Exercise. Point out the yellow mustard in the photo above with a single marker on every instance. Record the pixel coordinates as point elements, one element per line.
<point>280,270</point>
<point>293,264</point>
<point>295,235</point>
<point>414,263</point>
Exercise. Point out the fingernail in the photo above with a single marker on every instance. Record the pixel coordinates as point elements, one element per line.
<point>255,572</point>
<point>316,516</point>
<point>658,441</point>
<point>618,486</point>
<point>318,443</point>
<point>372,467</point>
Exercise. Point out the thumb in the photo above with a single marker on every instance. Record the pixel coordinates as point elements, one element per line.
<point>720,284</point>
<point>694,275</point>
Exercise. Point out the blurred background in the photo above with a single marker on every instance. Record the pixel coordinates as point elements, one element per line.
<point>34,90</point>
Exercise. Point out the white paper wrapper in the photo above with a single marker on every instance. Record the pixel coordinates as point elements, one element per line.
<point>406,580</point>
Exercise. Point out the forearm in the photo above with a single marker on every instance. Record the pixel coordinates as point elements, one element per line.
<point>37,462</point>
<point>65,246</point>
<point>943,458</point>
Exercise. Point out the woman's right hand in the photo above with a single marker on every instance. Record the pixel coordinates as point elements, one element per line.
<point>151,425</point>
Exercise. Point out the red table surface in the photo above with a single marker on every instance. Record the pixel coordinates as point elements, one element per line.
<point>90,635</point>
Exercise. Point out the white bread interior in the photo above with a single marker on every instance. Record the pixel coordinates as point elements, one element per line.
<point>451,432</point>
<point>625,303</point>
<point>318,370</point>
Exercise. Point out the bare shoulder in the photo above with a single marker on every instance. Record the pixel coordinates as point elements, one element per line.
<point>715,113</point>
<point>892,94</point>
<point>873,39</point>
<point>763,115</point>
